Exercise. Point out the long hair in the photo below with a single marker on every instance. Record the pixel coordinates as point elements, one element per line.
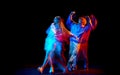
<point>66,33</point>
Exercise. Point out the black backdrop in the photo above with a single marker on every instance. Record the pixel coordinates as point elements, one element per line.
<point>29,20</point>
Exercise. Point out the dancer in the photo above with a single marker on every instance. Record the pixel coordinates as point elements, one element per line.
<point>78,29</point>
<point>57,34</point>
<point>91,24</point>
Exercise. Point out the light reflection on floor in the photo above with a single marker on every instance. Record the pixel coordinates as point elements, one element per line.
<point>34,71</point>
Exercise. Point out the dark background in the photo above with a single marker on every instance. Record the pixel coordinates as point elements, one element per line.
<point>28,22</point>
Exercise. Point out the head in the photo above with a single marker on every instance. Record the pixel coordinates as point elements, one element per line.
<point>82,20</point>
<point>57,19</point>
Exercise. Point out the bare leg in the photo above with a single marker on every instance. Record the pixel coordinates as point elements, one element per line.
<point>44,63</point>
<point>51,58</point>
<point>51,63</point>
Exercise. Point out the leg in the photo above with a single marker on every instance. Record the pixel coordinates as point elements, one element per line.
<point>60,55</point>
<point>73,57</point>
<point>51,62</point>
<point>85,55</point>
<point>44,63</point>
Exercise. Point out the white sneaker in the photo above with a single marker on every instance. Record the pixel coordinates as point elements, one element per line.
<point>40,69</point>
<point>51,70</point>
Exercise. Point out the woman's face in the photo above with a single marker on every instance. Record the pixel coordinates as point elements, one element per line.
<point>56,20</point>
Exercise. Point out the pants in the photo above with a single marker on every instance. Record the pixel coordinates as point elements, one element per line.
<point>73,54</point>
<point>83,54</point>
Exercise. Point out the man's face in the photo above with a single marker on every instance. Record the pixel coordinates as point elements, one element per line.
<point>83,21</point>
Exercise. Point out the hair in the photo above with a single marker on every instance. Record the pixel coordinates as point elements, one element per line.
<point>58,18</point>
<point>66,33</point>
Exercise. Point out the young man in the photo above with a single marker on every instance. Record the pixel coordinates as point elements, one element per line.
<point>91,24</point>
<point>56,34</point>
<point>78,29</point>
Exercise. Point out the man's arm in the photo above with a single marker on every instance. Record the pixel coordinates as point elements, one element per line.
<point>70,19</point>
<point>93,21</point>
<point>90,22</point>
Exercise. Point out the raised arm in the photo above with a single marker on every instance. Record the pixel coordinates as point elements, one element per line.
<point>53,28</point>
<point>93,21</point>
<point>70,19</point>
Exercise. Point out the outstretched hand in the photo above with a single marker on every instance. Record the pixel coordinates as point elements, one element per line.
<point>88,19</point>
<point>72,13</point>
<point>77,38</point>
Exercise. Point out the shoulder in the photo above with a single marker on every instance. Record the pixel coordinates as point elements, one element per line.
<point>52,24</point>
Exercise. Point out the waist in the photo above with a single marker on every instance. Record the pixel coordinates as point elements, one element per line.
<point>74,40</point>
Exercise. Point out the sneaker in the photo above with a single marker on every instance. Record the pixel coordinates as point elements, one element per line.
<point>74,68</point>
<point>69,68</point>
<point>40,69</point>
<point>51,70</point>
<point>86,67</point>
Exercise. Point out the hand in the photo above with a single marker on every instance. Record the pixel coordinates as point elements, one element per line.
<point>88,18</point>
<point>76,38</point>
<point>73,12</point>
